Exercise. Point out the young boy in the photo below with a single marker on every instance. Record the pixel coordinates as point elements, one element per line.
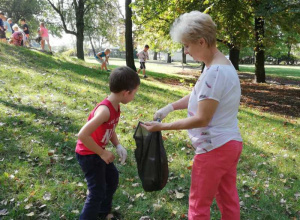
<point>143,56</point>
<point>25,29</point>
<point>103,55</point>
<point>97,162</point>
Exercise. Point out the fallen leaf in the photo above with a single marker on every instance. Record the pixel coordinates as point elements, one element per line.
<point>3,212</point>
<point>80,184</point>
<point>75,211</point>
<point>47,196</point>
<point>179,195</point>
<point>28,206</point>
<point>30,214</point>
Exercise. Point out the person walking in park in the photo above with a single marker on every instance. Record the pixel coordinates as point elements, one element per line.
<point>212,122</point>
<point>26,30</point>
<point>43,32</point>
<point>143,56</point>
<point>2,29</point>
<point>102,57</point>
<point>97,162</point>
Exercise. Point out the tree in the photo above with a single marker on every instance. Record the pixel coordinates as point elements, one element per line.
<point>74,15</point>
<point>128,36</point>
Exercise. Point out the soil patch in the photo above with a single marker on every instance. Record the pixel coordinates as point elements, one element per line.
<point>278,95</point>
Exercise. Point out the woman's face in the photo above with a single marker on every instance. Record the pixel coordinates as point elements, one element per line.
<point>194,49</point>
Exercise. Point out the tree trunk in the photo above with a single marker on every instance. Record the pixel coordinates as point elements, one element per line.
<point>80,29</point>
<point>183,56</point>
<point>289,55</point>
<point>169,58</point>
<point>260,74</point>
<point>128,36</point>
<point>234,54</point>
<point>155,56</point>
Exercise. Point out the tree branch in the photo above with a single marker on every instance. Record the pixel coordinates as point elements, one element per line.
<point>62,18</point>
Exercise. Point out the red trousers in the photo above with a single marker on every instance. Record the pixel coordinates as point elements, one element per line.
<point>214,175</point>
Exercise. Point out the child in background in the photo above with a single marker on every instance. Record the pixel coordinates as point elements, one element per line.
<point>97,162</point>
<point>143,56</point>
<point>2,29</point>
<point>102,57</point>
<point>43,32</point>
<point>26,30</point>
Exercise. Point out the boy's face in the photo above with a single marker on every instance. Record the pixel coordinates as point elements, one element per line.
<point>129,96</point>
<point>107,52</point>
<point>22,22</point>
<point>146,48</point>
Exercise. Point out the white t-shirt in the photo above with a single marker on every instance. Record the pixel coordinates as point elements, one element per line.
<point>221,83</point>
<point>143,56</point>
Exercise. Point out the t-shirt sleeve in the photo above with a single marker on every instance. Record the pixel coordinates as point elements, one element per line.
<point>212,85</point>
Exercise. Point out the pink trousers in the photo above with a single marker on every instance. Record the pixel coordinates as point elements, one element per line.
<point>214,175</point>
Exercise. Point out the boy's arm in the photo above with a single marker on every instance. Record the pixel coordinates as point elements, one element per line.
<point>120,149</point>
<point>101,115</point>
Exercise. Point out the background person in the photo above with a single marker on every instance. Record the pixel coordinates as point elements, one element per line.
<point>143,56</point>
<point>2,29</point>
<point>44,35</point>
<point>212,120</point>
<point>102,57</point>
<point>8,30</point>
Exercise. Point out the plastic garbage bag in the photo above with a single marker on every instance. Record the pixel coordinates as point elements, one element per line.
<point>151,158</point>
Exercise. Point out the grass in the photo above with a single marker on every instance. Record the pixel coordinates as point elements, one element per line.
<point>46,99</point>
<point>287,72</point>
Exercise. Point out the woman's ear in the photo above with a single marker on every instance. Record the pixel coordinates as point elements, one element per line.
<point>201,41</point>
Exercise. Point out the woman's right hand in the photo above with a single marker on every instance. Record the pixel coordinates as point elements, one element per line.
<point>107,156</point>
<point>163,112</point>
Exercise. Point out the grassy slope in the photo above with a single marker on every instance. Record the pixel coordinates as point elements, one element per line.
<point>44,102</point>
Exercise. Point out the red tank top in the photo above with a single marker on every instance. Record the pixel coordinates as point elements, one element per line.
<point>104,132</point>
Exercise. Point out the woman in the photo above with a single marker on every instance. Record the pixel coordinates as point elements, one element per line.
<point>212,120</point>
<point>45,36</point>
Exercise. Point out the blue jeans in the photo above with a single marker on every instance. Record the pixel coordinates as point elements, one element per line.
<point>102,181</point>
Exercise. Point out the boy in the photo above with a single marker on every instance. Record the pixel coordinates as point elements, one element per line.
<point>97,162</point>
<point>103,55</point>
<point>7,27</point>
<point>25,29</point>
<point>143,56</point>
<point>2,29</point>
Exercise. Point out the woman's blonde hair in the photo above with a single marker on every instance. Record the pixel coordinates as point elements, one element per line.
<point>193,26</point>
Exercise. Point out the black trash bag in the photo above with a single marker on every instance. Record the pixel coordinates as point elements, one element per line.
<point>151,158</point>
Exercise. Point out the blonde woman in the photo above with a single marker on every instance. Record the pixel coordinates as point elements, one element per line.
<point>212,120</point>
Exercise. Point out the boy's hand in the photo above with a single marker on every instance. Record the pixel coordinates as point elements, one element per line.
<point>107,156</point>
<point>122,153</point>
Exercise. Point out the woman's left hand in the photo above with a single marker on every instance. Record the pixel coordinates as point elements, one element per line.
<point>152,126</point>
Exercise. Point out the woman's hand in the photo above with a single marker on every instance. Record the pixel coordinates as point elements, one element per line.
<point>152,126</point>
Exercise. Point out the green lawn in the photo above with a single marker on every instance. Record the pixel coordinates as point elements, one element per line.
<point>288,72</point>
<point>44,102</point>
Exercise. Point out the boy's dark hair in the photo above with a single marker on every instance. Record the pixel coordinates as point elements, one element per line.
<point>146,46</point>
<point>123,78</point>
<point>23,19</point>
